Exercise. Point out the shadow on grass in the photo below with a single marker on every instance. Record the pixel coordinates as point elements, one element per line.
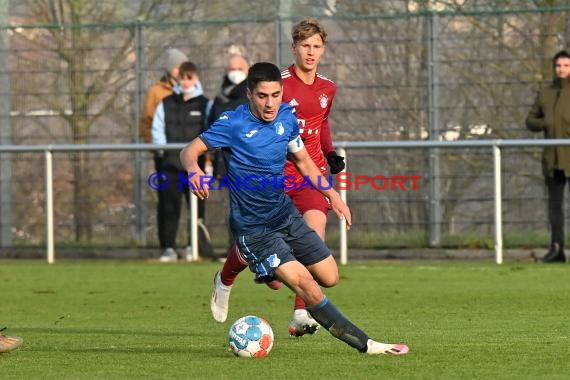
<point>205,352</point>
<point>80,331</point>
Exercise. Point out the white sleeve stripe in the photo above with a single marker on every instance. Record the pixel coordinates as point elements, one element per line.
<point>324,78</point>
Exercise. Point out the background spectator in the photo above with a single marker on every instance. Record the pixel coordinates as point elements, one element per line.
<point>549,115</point>
<point>232,93</point>
<point>178,118</point>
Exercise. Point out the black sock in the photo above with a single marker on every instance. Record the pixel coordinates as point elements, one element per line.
<point>338,325</point>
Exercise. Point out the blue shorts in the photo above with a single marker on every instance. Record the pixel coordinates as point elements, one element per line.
<point>290,239</point>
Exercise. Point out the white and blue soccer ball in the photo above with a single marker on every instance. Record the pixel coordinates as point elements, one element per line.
<point>251,337</point>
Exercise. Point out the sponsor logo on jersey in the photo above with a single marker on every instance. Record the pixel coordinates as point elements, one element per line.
<point>293,103</point>
<point>251,133</point>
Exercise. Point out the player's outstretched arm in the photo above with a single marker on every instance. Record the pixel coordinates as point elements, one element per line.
<point>336,162</point>
<point>308,169</point>
<point>189,159</point>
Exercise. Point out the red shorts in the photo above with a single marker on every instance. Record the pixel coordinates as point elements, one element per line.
<point>306,199</point>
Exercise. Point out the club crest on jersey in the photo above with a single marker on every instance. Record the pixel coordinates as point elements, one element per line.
<point>273,261</point>
<point>279,128</point>
<point>323,100</point>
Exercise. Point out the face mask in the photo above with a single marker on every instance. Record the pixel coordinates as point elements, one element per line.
<point>189,90</point>
<point>177,89</point>
<point>236,76</point>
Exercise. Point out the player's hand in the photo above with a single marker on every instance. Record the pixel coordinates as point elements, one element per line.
<point>198,187</point>
<point>336,162</point>
<point>341,209</point>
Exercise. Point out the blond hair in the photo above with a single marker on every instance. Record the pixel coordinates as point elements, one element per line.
<point>308,28</point>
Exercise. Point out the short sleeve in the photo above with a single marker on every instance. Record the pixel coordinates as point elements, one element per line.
<point>219,135</point>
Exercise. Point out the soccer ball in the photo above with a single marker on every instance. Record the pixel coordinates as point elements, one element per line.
<point>251,337</point>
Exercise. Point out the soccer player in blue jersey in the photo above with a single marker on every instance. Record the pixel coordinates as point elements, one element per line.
<point>268,229</point>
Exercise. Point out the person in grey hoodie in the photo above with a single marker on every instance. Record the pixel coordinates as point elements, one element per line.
<point>165,86</point>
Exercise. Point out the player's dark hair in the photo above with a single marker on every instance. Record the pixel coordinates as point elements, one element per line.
<point>262,72</point>
<point>556,81</point>
<point>187,70</point>
<point>560,54</point>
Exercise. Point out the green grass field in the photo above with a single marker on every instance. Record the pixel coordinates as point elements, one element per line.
<point>119,320</point>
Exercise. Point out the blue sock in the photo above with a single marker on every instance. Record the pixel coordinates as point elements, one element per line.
<point>338,325</point>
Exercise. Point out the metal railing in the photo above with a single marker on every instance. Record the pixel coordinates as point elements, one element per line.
<point>342,146</point>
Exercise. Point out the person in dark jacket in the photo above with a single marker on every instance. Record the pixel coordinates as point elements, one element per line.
<point>179,118</point>
<point>550,114</point>
<point>233,92</point>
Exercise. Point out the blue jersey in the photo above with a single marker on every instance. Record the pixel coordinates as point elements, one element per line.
<point>257,156</point>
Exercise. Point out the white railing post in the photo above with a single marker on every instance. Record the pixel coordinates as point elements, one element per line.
<point>194,225</point>
<point>50,250</point>
<point>343,236</point>
<point>498,205</point>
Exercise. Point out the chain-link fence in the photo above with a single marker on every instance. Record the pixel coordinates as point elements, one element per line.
<point>400,76</point>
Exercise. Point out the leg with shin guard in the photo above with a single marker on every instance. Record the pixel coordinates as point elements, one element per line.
<point>338,325</point>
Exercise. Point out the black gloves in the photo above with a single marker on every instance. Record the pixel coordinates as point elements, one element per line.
<point>336,162</point>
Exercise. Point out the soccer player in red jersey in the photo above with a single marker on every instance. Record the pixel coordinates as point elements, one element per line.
<point>311,94</point>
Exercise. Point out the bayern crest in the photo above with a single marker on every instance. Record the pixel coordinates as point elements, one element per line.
<point>323,100</point>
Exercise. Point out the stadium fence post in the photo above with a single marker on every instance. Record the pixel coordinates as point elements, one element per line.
<point>498,204</point>
<point>48,154</point>
<point>342,228</point>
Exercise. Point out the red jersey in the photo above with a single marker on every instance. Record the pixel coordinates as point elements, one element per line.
<point>312,104</point>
